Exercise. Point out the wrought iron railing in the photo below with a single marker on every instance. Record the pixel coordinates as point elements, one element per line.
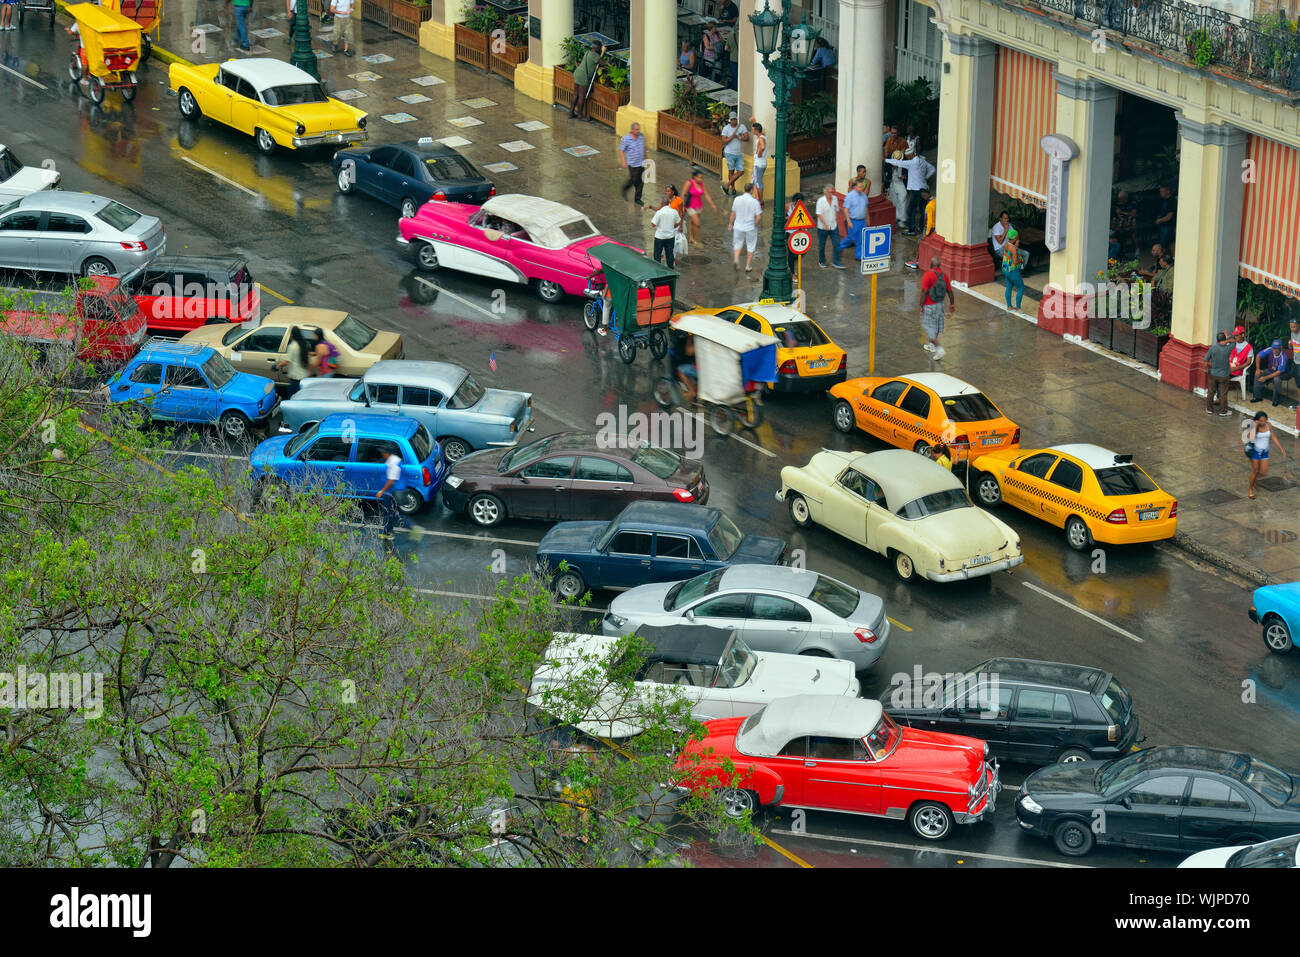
<point>1211,39</point>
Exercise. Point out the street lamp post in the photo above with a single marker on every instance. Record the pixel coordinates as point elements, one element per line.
<point>302,55</point>
<point>773,34</point>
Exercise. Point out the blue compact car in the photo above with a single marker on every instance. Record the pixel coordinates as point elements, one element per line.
<point>648,542</point>
<point>345,455</point>
<point>1277,609</point>
<point>187,382</point>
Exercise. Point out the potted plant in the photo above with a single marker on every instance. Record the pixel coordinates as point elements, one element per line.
<point>509,49</point>
<point>474,34</point>
<point>405,16</point>
<point>810,145</point>
<point>1200,48</point>
<point>611,90</point>
<point>1147,344</point>
<point>677,123</point>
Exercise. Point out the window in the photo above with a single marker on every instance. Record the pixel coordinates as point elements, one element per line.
<point>776,608</point>
<point>861,486</point>
<point>450,167</point>
<point>295,94</point>
<point>749,322</point>
<point>578,229</point>
<point>180,377</point>
<point>244,88</point>
<point>1037,465</point>
<point>1124,480</point>
<point>421,444</point>
<point>467,395</point>
<point>383,156</point>
<point>835,596</point>
<point>26,221</point>
<point>382,394</point>
<point>525,454</point>
<point>402,165</point>
<point>427,398</point>
<point>970,408</point>
<point>147,373</point>
<point>218,371</point>
<point>889,392</point>
<point>1164,791</point>
<point>683,593</point>
<point>329,448</point>
<point>229,80</point>
<point>118,216</point>
<point>560,467</point>
<point>354,332</point>
<point>797,334</point>
<point>660,462</point>
<point>724,606</point>
<point>730,315</point>
<point>833,749</point>
<point>1043,706</point>
<point>1068,475</point>
<point>602,470</point>
<point>1216,794</point>
<point>797,748</point>
<point>917,401</point>
<point>725,538</point>
<point>934,504</point>
<point>262,340</point>
<point>66,223</point>
<point>629,543</point>
<point>9,164</point>
<point>376,451</point>
<point>980,701</point>
<point>884,737</point>
<point>677,546</point>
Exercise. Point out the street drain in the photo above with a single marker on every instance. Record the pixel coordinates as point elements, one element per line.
<point>692,260</point>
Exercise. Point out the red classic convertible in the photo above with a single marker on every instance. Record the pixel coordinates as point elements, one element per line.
<point>832,753</point>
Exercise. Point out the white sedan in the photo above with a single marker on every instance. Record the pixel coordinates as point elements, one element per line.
<point>711,668</point>
<point>17,180</point>
<point>1283,852</point>
<point>904,506</point>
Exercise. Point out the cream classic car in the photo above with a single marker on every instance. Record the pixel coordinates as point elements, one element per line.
<point>905,506</point>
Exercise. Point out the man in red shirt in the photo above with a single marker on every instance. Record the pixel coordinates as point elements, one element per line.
<point>935,286</point>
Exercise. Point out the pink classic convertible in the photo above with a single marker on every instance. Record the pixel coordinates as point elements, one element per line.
<point>524,239</point>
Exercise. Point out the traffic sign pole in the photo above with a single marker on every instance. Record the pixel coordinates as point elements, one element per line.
<point>871,346</point>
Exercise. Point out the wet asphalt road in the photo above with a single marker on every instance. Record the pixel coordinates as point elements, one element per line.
<point>1173,630</point>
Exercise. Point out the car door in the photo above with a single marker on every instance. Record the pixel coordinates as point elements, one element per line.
<point>542,490</point>
<point>20,235</point>
<point>1025,485</point>
<point>217,105</point>
<point>845,505</point>
<point>878,413</point>
<point>981,712</point>
<point>378,179</point>
<point>789,764</point>
<point>912,424</point>
<point>422,404</point>
<point>403,179</point>
<point>245,106</point>
<point>838,775</point>
<point>64,243</point>
<point>601,488</point>
<point>368,471</point>
<point>261,351</point>
<point>722,611</point>
<point>628,559</point>
<point>325,463</point>
<point>776,623</point>
<point>189,397</point>
<point>1216,813</point>
<point>383,396</point>
<point>1149,814</point>
<point>676,557</point>
<point>1042,725</point>
<point>142,386</point>
<point>1061,494</point>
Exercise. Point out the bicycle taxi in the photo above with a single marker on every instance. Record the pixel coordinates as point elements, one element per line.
<point>731,363</point>
<point>640,300</point>
<point>108,53</point>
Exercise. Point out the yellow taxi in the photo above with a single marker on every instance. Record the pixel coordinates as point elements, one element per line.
<point>1091,492</point>
<point>917,411</point>
<point>806,360</point>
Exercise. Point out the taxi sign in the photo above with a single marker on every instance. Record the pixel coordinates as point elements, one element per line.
<point>799,218</point>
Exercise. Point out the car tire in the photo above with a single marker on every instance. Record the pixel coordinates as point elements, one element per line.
<point>904,567</point>
<point>234,425</point>
<point>1073,756</point>
<point>1073,837</point>
<point>426,257</point>
<point>737,802</point>
<point>345,183</point>
<point>549,291</point>
<point>408,208</point>
<point>921,447</point>
<point>485,510</point>
<point>189,106</point>
<point>1277,635</point>
<point>569,585</point>
<point>1077,535</point>
<point>454,449</point>
<point>265,141</point>
<point>97,266</point>
<point>409,501</point>
<point>799,512</point>
<point>987,490</point>
<point>842,416</point>
<point>930,820</point>
<point>136,416</point>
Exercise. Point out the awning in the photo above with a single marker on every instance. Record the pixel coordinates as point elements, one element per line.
<point>1270,217</point>
<point>1024,112</point>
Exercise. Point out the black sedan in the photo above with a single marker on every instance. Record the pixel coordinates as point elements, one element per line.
<point>569,475</point>
<point>1176,799</point>
<point>408,175</point>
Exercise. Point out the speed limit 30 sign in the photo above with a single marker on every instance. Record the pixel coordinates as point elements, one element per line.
<point>799,242</point>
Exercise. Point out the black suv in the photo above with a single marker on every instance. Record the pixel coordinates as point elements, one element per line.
<point>1038,712</point>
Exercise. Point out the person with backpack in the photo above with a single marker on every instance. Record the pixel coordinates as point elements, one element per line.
<point>1256,437</point>
<point>298,365</point>
<point>935,287</point>
<point>1012,260</point>
<point>326,355</point>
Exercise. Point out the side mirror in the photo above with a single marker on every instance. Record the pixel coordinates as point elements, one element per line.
<point>1126,802</point>
<point>690,615</point>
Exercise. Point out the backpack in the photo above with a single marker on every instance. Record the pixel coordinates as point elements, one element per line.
<point>939,291</point>
<point>1247,439</point>
<point>331,362</point>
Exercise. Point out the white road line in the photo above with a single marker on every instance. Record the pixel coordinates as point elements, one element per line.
<point>552,414</point>
<point>224,179</point>
<point>929,847</point>
<point>474,597</point>
<point>1086,614</point>
<point>25,79</point>
<point>699,417</point>
<point>460,299</point>
<point>473,538</point>
<point>206,455</point>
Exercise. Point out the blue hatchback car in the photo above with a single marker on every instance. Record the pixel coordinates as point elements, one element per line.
<point>1277,609</point>
<point>182,382</point>
<point>345,454</point>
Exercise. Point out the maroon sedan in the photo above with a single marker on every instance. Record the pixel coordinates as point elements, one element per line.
<point>569,475</point>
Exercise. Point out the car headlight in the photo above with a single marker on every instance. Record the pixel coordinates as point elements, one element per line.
<point>453,481</point>
<point>1030,805</point>
<point>618,621</point>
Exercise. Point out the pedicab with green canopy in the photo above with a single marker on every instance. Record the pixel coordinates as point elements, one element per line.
<point>637,293</point>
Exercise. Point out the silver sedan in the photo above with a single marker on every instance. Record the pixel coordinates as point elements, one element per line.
<point>777,608</point>
<point>77,233</point>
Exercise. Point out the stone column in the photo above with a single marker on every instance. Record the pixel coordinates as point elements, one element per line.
<point>536,78</point>
<point>861,113</point>
<point>438,33</point>
<point>1207,245</point>
<point>654,67</point>
<point>758,101</point>
<point>1085,113</point>
<point>965,161</point>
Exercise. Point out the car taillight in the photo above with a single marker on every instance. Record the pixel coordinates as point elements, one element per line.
<point>1173,512</point>
<point>683,495</point>
<point>361,123</point>
<point>788,367</point>
<point>136,247</point>
<point>844,362</point>
<point>865,635</point>
<point>440,195</point>
<point>1112,732</point>
<point>492,191</point>
<point>1117,517</point>
<point>1015,437</point>
<point>962,440</point>
<point>301,129</point>
<point>424,473</point>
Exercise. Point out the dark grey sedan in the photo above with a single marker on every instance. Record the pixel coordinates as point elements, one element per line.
<point>77,233</point>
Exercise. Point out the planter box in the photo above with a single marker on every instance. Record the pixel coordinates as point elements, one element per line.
<point>706,150</point>
<point>675,136</point>
<point>563,86</point>
<point>603,104</point>
<point>815,154</point>
<point>405,18</point>
<point>314,8</point>
<point>1121,337</point>
<point>1099,330</point>
<point>1147,346</point>
<point>472,47</point>
<point>504,63</point>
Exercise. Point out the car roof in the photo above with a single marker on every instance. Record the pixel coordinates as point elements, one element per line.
<point>775,312</point>
<point>940,383</point>
<point>689,644</point>
<point>425,150</point>
<point>676,515</point>
<point>264,72</point>
<point>1093,456</point>
<point>903,475</point>
<point>65,201</point>
<point>304,316</point>
<point>834,716</point>
<point>370,424</point>
<point>1055,673</point>
<point>782,578</point>
<point>175,352</point>
<point>417,372</point>
<point>204,263</point>
<point>1233,764</point>
<point>586,442</point>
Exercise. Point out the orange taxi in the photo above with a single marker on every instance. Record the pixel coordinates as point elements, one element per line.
<point>917,411</point>
<point>1091,492</point>
<point>806,359</point>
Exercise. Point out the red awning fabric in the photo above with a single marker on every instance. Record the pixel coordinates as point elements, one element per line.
<point>1270,216</point>
<point>1024,112</point>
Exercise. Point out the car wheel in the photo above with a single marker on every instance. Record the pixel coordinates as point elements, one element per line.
<point>189,106</point>
<point>486,510</point>
<point>904,568</point>
<point>234,425</point>
<point>1277,635</point>
<point>345,181</point>
<point>1073,756</point>
<point>408,208</point>
<point>426,257</point>
<point>569,585</point>
<point>454,449</point>
<point>1077,535</point>
<point>842,415</point>
<point>627,350</point>
<point>921,447</point>
<point>1073,838</point>
<point>265,142</point>
<point>931,820</point>
<point>799,513</point>
<point>737,802</point>
<point>409,501</point>
<point>136,416</point>
<point>96,266</point>
<point>549,291</point>
<point>987,490</point>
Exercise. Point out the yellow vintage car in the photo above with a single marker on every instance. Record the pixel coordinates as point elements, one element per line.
<point>806,359</point>
<point>272,101</point>
<point>1091,492</point>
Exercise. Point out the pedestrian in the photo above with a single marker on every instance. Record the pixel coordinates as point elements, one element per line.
<point>291,10</point>
<point>760,159</point>
<point>745,214</point>
<point>919,172</point>
<point>7,14</point>
<point>1293,347</point>
<point>1218,380</point>
<point>686,58</point>
<point>860,177</point>
<point>386,453</point>
<point>583,77</point>
<point>855,207</point>
<point>326,16</point>
<point>898,191</point>
<point>606,309</point>
<point>1271,366</point>
<point>931,210</point>
<point>342,10</point>
<point>714,48</point>
<point>828,227</point>
<point>1012,260</point>
<point>913,141</point>
<point>298,365</point>
<point>942,454</point>
<point>1157,254</point>
<point>667,223</point>
<point>696,195</point>
<point>734,134</point>
<point>823,55</point>
<point>1167,215</point>
<point>729,13</point>
<point>1242,359</point>
<point>241,22</point>
<point>632,155</point>
<point>326,354</point>
<point>895,146</point>
<point>935,287</point>
<point>1123,223</point>
<point>1257,436</point>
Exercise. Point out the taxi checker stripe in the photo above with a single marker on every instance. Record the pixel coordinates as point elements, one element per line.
<point>1078,506</point>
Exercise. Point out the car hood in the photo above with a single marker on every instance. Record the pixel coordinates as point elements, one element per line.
<point>932,751</point>
<point>758,550</point>
<point>1065,779</point>
<point>438,215</point>
<point>961,533</point>
<point>479,464</point>
<point>1287,594</point>
<point>268,451</point>
<point>642,602</point>
<point>245,387</point>
<point>783,676</point>
<point>502,402</point>
<point>575,537</point>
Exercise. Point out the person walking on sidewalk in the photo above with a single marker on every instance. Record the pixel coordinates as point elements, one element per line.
<point>1271,366</point>
<point>696,194</point>
<point>828,226</point>
<point>632,155</point>
<point>241,22</point>
<point>734,134</point>
<point>1258,436</point>
<point>291,10</point>
<point>760,159</point>
<point>667,223</point>
<point>855,207</point>
<point>1218,380</point>
<point>1012,260</point>
<point>342,10</point>
<point>919,172</point>
<point>935,288</point>
<point>745,214</point>
<point>582,80</point>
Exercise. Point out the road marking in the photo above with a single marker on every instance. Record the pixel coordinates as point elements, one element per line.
<point>783,852</point>
<point>474,597</point>
<point>460,299</point>
<point>264,288</point>
<point>224,179</point>
<point>205,455</point>
<point>1086,614</point>
<point>699,417</point>
<point>899,624</point>
<point>488,540</point>
<point>551,413</point>
<point>927,847</point>
<point>24,78</point>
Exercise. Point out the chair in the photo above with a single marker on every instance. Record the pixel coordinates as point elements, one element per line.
<point>1241,381</point>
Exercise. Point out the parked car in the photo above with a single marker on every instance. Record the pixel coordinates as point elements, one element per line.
<point>807,359</point>
<point>917,411</point>
<point>648,542</point>
<point>104,325</point>
<point>261,348</point>
<point>1032,711</point>
<point>346,455</point>
<point>711,668</point>
<point>274,102</point>
<point>17,180</point>
<point>408,175</point>
<point>1094,494</point>
<point>776,608</point>
<point>522,239</point>
<point>445,398</point>
<point>904,506</point>
<point>77,233</point>
<point>569,475</point>
<point>834,753</point>
<point>1281,852</point>
<point>1173,799</point>
<point>184,382</point>
<point>1277,609</point>
<point>181,293</point>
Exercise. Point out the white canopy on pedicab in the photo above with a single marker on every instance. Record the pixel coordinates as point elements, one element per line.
<point>727,356</point>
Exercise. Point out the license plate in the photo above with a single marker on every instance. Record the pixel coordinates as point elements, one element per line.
<point>1147,514</point>
<point>980,560</point>
<point>819,364</point>
<point>991,440</point>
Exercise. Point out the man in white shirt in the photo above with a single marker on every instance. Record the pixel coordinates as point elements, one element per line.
<point>745,214</point>
<point>342,10</point>
<point>734,136</point>
<point>666,222</point>
<point>828,226</point>
<point>919,172</point>
<point>760,159</point>
<point>393,473</point>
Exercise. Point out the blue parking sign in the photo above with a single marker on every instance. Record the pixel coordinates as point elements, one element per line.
<point>874,242</point>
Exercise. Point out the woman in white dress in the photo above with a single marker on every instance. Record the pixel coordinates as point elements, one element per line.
<point>898,192</point>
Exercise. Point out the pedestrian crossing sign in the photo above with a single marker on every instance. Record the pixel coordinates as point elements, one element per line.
<point>799,218</point>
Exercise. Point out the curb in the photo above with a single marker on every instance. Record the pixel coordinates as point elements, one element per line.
<point>156,52</point>
<point>1222,559</point>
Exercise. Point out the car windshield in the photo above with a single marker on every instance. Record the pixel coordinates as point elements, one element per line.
<point>738,663</point>
<point>1272,785</point>
<point>421,444</point>
<point>354,332</point>
<point>970,408</point>
<point>293,94</point>
<point>525,455</point>
<point>467,396</point>
<point>1116,774</point>
<point>578,229</point>
<point>802,333</point>
<point>686,592</point>
<point>299,441</point>
<point>118,216</point>
<point>1124,480</point>
<point>725,538</point>
<point>1115,700</point>
<point>934,503</point>
<point>446,168</point>
<point>9,164</point>
<point>884,737</point>
<point>659,462</point>
<point>1277,853</point>
<point>835,596</point>
<point>8,206</point>
<point>218,371</point>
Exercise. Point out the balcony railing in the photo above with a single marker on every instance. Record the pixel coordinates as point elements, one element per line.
<point>1212,39</point>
